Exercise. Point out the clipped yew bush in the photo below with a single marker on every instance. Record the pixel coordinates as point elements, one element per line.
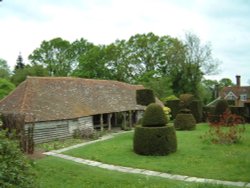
<point>220,107</point>
<point>154,116</point>
<point>185,121</point>
<point>155,140</point>
<point>154,137</point>
<point>145,97</point>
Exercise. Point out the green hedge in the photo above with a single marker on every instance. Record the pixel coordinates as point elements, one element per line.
<point>174,105</point>
<point>145,97</point>
<point>196,110</point>
<point>185,122</point>
<point>154,116</point>
<point>155,140</point>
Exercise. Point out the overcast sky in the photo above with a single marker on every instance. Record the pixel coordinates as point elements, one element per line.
<point>24,24</point>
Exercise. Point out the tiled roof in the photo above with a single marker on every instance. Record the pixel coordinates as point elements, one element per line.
<point>57,98</point>
<point>236,90</point>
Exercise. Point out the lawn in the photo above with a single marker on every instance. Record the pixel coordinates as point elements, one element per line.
<point>193,157</point>
<point>54,172</point>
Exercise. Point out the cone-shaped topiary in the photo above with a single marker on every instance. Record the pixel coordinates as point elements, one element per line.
<point>185,122</point>
<point>154,116</point>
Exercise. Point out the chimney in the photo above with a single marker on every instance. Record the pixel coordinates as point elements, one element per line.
<point>238,80</point>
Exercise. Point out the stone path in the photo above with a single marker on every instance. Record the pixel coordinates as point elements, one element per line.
<point>57,153</point>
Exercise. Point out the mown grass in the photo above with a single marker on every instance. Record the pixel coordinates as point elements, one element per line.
<point>193,157</point>
<point>54,172</point>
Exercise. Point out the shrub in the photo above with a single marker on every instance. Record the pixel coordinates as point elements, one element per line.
<point>196,109</point>
<point>155,140</point>
<point>15,168</point>
<point>174,105</point>
<point>186,99</point>
<point>154,116</point>
<point>224,135</point>
<point>167,112</point>
<point>184,122</point>
<point>145,97</point>
<point>87,133</point>
<point>221,107</point>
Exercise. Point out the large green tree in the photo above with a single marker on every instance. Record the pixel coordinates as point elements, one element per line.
<point>53,55</point>
<point>5,87</point>
<point>4,69</point>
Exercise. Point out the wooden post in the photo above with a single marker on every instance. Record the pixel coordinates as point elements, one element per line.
<point>109,121</point>
<point>124,121</point>
<point>116,118</point>
<point>130,119</point>
<point>101,121</point>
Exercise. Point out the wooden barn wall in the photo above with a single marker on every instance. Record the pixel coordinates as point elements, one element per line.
<point>52,130</point>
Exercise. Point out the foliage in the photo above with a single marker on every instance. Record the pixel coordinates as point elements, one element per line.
<point>174,105</point>
<point>185,122</point>
<point>169,98</point>
<point>154,116</point>
<point>19,62</point>
<point>29,70</point>
<point>53,55</point>
<point>155,140</point>
<point>59,144</point>
<point>16,170</point>
<point>196,109</point>
<point>86,133</point>
<point>224,135</point>
<point>221,107</point>
<point>4,69</point>
<point>167,112</point>
<point>186,99</point>
<point>160,86</point>
<point>145,97</point>
<point>5,87</point>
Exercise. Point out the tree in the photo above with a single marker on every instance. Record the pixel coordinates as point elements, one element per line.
<point>5,87</point>
<point>53,55</point>
<point>29,70</point>
<point>225,82</point>
<point>19,62</point>
<point>92,64</point>
<point>4,69</point>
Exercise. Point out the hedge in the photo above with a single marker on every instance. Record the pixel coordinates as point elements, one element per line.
<point>174,105</point>
<point>145,97</point>
<point>155,140</point>
<point>185,122</point>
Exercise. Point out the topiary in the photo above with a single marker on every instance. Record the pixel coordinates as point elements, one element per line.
<point>221,107</point>
<point>155,140</point>
<point>196,109</point>
<point>154,116</point>
<point>145,97</point>
<point>185,122</point>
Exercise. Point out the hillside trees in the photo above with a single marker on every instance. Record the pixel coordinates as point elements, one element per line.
<point>4,69</point>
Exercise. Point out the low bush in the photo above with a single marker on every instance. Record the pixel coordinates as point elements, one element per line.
<point>224,135</point>
<point>15,168</point>
<point>155,140</point>
<point>184,121</point>
<point>87,133</point>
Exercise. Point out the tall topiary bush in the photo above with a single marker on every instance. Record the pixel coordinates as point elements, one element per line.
<point>196,109</point>
<point>154,116</point>
<point>174,105</point>
<point>185,119</point>
<point>154,137</point>
<point>145,97</point>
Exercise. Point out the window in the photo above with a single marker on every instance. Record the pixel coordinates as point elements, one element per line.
<point>243,97</point>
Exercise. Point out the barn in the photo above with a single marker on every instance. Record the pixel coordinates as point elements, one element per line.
<point>59,105</point>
